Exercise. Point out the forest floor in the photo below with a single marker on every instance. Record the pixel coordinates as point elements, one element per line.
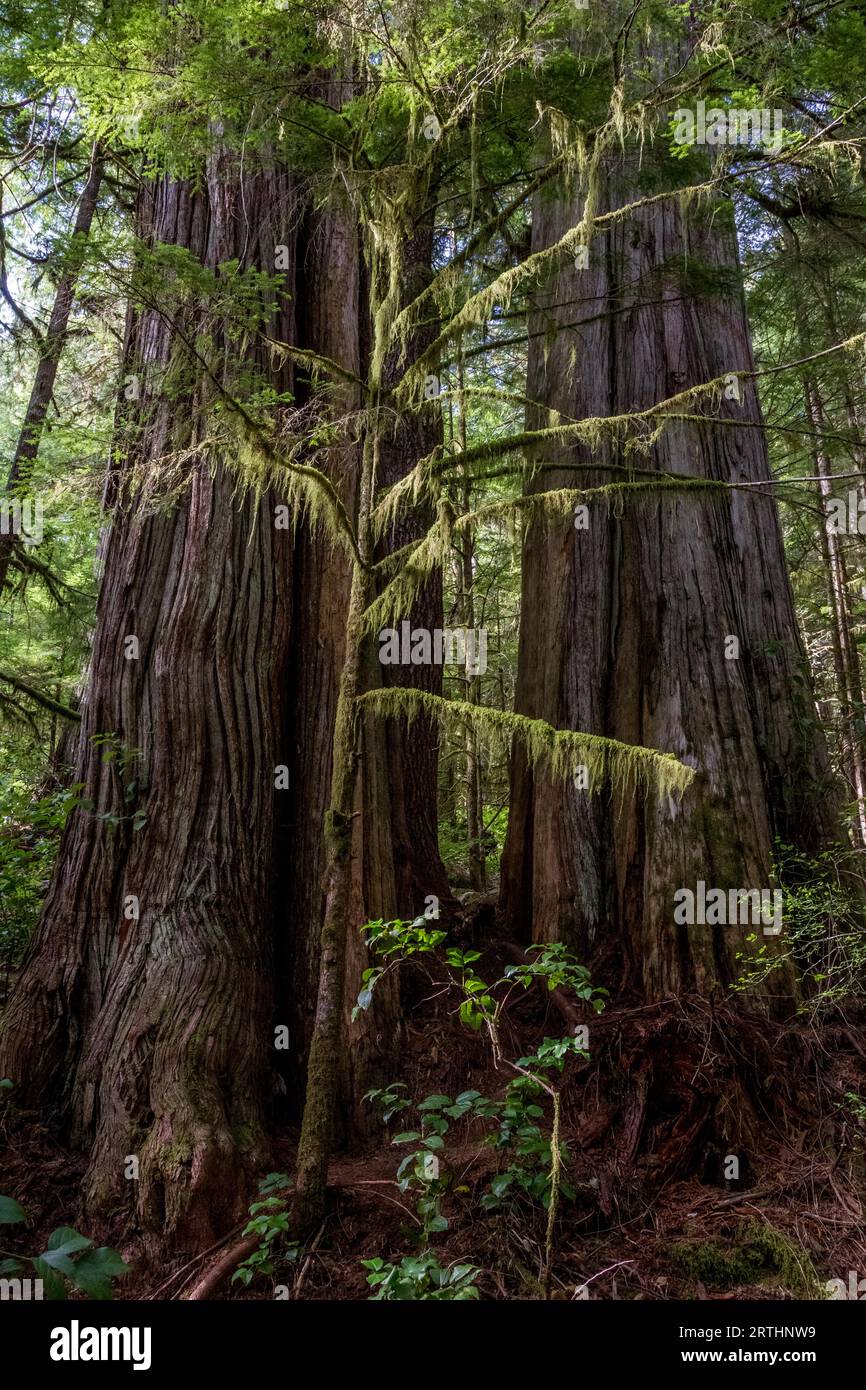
<point>652,1216</point>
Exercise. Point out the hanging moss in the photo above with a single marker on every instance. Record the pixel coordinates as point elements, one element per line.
<point>630,433</point>
<point>532,270</point>
<point>562,752</point>
<point>414,563</point>
<point>308,493</point>
<point>558,504</point>
<point>316,363</point>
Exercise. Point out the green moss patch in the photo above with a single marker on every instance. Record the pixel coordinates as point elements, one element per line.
<point>758,1254</point>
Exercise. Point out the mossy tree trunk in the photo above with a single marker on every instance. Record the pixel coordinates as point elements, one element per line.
<point>144,1004</point>
<point>412,751</point>
<point>402,784</point>
<point>324,1062</point>
<point>627,621</point>
<point>395,857</point>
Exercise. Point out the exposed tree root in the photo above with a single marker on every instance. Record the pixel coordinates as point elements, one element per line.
<point>207,1286</point>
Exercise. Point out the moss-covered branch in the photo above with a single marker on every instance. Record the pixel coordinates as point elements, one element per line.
<point>562,752</point>
<point>39,697</point>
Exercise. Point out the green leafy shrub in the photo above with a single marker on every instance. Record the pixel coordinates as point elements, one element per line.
<point>69,1260</point>
<point>537,1156</point>
<point>824,930</point>
<point>419,1277</point>
<point>29,836</point>
<point>269,1219</point>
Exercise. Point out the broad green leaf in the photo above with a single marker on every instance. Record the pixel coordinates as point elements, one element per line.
<point>11,1212</point>
<point>53,1287</point>
<point>95,1270</point>
<point>66,1241</point>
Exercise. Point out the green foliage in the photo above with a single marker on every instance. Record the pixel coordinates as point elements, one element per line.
<point>402,938</point>
<point>825,930</point>
<point>535,1155</point>
<point>388,1100</point>
<point>420,1171</point>
<point>394,940</point>
<point>269,1219</point>
<point>29,837</point>
<point>556,966</point>
<point>69,1260</point>
<point>855,1104</point>
<point>552,965</point>
<point>419,1277</point>
<point>522,1139</point>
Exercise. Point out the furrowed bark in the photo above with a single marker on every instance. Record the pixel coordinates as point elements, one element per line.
<point>144,1003</point>
<point>634,613</point>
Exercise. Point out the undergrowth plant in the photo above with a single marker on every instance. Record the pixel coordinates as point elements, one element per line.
<point>535,1157</point>
<point>269,1219</point>
<point>421,1277</point>
<point>825,930</point>
<point>69,1260</point>
<point>30,832</point>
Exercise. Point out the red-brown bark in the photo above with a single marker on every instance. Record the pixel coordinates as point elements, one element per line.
<point>154,1032</point>
<point>629,617</point>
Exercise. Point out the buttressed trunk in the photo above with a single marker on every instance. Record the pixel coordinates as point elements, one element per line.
<point>666,621</point>
<point>145,1004</point>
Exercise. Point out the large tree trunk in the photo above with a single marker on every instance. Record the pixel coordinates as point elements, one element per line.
<point>150,1020</point>
<point>625,623</point>
<point>157,1029</point>
<point>395,854</point>
<point>383,780</point>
